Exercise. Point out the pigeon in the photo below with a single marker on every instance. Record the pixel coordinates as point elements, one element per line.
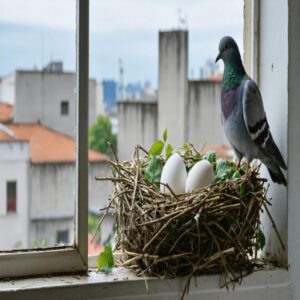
<point>243,116</point>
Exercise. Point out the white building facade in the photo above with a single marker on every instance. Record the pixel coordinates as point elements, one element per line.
<point>47,97</point>
<point>37,187</point>
<point>188,109</point>
<point>14,213</point>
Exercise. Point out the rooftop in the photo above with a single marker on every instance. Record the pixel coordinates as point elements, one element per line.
<point>222,151</point>
<point>6,111</point>
<point>46,145</point>
<point>215,77</point>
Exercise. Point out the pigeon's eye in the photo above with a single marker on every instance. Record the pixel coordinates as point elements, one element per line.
<point>226,46</point>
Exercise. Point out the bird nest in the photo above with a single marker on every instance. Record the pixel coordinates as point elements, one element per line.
<point>210,231</point>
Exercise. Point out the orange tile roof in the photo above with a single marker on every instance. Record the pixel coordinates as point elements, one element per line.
<point>93,247</point>
<point>6,111</point>
<point>215,77</point>
<point>46,145</point>
<point>222,151</point>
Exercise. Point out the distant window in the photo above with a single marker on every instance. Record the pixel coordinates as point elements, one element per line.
<point>62,237</point>
<point>64,108</point>
<point>11,196</point>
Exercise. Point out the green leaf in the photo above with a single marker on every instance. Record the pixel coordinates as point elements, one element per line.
<point>223,170</point>
<point>197,157</point>
<point>153,170</point>
<point>157,148</point>
<point>243,189</point>
<point>189,165</point>
<point>187,149</point>
<point>169,151</point>
<point>214,164</point>
<point>211,156</point>
<point>236,175</point>
<point>233,166</point>
<point>106,260</point>
<point>243,168</point>
<point>165,135</point>
<point>260,239</point>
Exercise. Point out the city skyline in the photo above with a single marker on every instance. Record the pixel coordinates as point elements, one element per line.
<point>32,35</point>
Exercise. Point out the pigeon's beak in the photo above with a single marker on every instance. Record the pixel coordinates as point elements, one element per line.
<point>218,57</point>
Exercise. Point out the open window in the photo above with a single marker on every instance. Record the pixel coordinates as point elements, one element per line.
<point>73,257</point>
<point>272,56</point>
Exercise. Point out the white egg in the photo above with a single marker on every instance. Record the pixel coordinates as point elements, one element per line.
<point>201,174</point>
<point>174,174</point>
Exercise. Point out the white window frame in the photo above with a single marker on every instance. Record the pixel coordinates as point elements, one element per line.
<point>18,263</point>
<point>252,45</point>
<point>277,284</point>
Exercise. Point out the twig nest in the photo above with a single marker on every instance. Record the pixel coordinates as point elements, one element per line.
<point>207,231</point>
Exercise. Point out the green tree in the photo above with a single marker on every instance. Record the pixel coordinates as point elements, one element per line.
<point>101,133</point>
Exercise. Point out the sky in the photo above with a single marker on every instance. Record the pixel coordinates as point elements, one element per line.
<point>33,32</point>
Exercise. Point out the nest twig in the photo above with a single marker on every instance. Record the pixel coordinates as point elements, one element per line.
<point>210,231</point>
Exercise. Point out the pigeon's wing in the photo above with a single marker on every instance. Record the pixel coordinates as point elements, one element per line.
<point>257,124</point>
<point>254,113</point>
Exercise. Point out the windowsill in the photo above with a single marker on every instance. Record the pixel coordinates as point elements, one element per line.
<point>124,284</point>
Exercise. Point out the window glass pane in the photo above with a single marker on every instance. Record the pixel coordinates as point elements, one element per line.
<point>37,123</point>
<point>153,63</point>
<point>62,237</point>
<point>64,108</point>
<point>11,198</point>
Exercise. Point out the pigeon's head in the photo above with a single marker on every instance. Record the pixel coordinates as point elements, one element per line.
<point>228,50</point>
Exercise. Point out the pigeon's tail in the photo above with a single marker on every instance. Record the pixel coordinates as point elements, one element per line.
<point>277,175</point>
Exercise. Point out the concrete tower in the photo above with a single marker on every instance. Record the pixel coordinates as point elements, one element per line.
<point>173,85</point>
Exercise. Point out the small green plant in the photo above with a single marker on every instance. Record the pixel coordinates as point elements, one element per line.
<point>153,170</point>
<point>158,146</point>
<point>39,244</point>
<point>224,170</point>
<point>154,166</point>
<point>260,239</point>
<point>211,156</point>
<point>105,260</point>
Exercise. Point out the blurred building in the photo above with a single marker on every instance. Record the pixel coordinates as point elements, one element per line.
<point>188,109</point>
<point>137,91</point>
<point>100,108</point>
<point>37,186</point>
<point>46,96</point>
<point>110,95</point>
<point>114,93</point>
<point>37,159</point>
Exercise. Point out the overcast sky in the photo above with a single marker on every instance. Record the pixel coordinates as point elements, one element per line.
<point>34,31</point>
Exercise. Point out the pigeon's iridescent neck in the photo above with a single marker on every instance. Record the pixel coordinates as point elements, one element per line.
<point>229,100</point>
<point>233,75</point>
